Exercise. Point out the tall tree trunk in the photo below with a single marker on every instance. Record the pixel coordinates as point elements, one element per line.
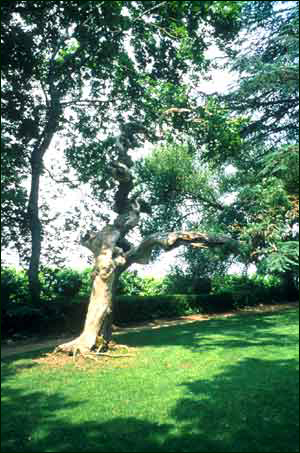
<point>98,319</point>
<point>33,204</point>
<point>35,229</point>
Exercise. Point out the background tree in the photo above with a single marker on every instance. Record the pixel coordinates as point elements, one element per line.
<point>267,180</point>
<point>268,67</point>
<point>185,187</point>
<point>253,128</point>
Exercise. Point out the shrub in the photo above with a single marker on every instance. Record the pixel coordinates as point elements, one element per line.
<point>212,303</point>
<point>17,313</point>
<point>142,308</point>
<point>86,283</point>
<point>58,289</point>
<point>202,286</point>
<point>14,286</point>
<point>180,282</point>
<point>132,284</point>
<point>136,308</point>
<point>252,291</point>
<point>142,299</point>
<point>153,286</point>
<point>60,283</point>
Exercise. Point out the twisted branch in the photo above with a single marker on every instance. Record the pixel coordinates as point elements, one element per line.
<point>168,241</point>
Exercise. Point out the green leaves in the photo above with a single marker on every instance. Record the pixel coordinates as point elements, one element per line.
<point>259,133</point>
<point>171,175</point>
<point>219,132</point>
<point>282,256</point>
<point>284,164</point>
<point>268,67</point>
<point>71,47</point>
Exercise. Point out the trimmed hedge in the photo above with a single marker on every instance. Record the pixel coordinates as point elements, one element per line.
<point>137,308</point>
<point>58,317</point>
<point>129,309</point>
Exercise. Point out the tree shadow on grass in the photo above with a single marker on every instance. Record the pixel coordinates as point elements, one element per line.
<point>238,331</point>
<point>22,411</point>
<point>250,407</point>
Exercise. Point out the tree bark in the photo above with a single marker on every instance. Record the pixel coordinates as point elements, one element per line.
<point>108,262</point>
<point>35,229</point>
<point>33,204</point>
<point>168,241</point>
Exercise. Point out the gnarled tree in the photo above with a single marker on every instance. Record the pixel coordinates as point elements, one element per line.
<point>68,64</point>
<point>113,253</point>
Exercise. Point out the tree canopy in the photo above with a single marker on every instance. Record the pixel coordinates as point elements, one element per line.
<point>87,70</point>
<point>84,70</point>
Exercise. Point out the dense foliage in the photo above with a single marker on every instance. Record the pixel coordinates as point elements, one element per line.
<point>239,172</point>
<point>266,209</point>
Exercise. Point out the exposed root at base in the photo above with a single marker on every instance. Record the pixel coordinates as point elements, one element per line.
<point>94,355</point>
<point>75,348</point>
<point>72,348</point>
<point>113,346</point>
<point>113,355</point>
<point>120,346</point>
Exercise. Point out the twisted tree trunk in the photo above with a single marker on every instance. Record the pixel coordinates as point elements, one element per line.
<point>113,254</point>
<point>106,269</point>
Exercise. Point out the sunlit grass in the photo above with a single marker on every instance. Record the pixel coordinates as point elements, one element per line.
<point>224,385</point>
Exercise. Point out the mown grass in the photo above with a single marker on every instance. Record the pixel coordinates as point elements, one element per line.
<point>224,385</point>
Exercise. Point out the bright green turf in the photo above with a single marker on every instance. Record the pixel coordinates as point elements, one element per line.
<point>224,385</point>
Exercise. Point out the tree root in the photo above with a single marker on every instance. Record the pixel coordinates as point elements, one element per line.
<point>75,347</point>
<point>120,346</point>
<point>113,355</point>
<point>113,346</point>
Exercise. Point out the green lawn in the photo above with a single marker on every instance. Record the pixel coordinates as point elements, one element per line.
<point>224,385</point>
